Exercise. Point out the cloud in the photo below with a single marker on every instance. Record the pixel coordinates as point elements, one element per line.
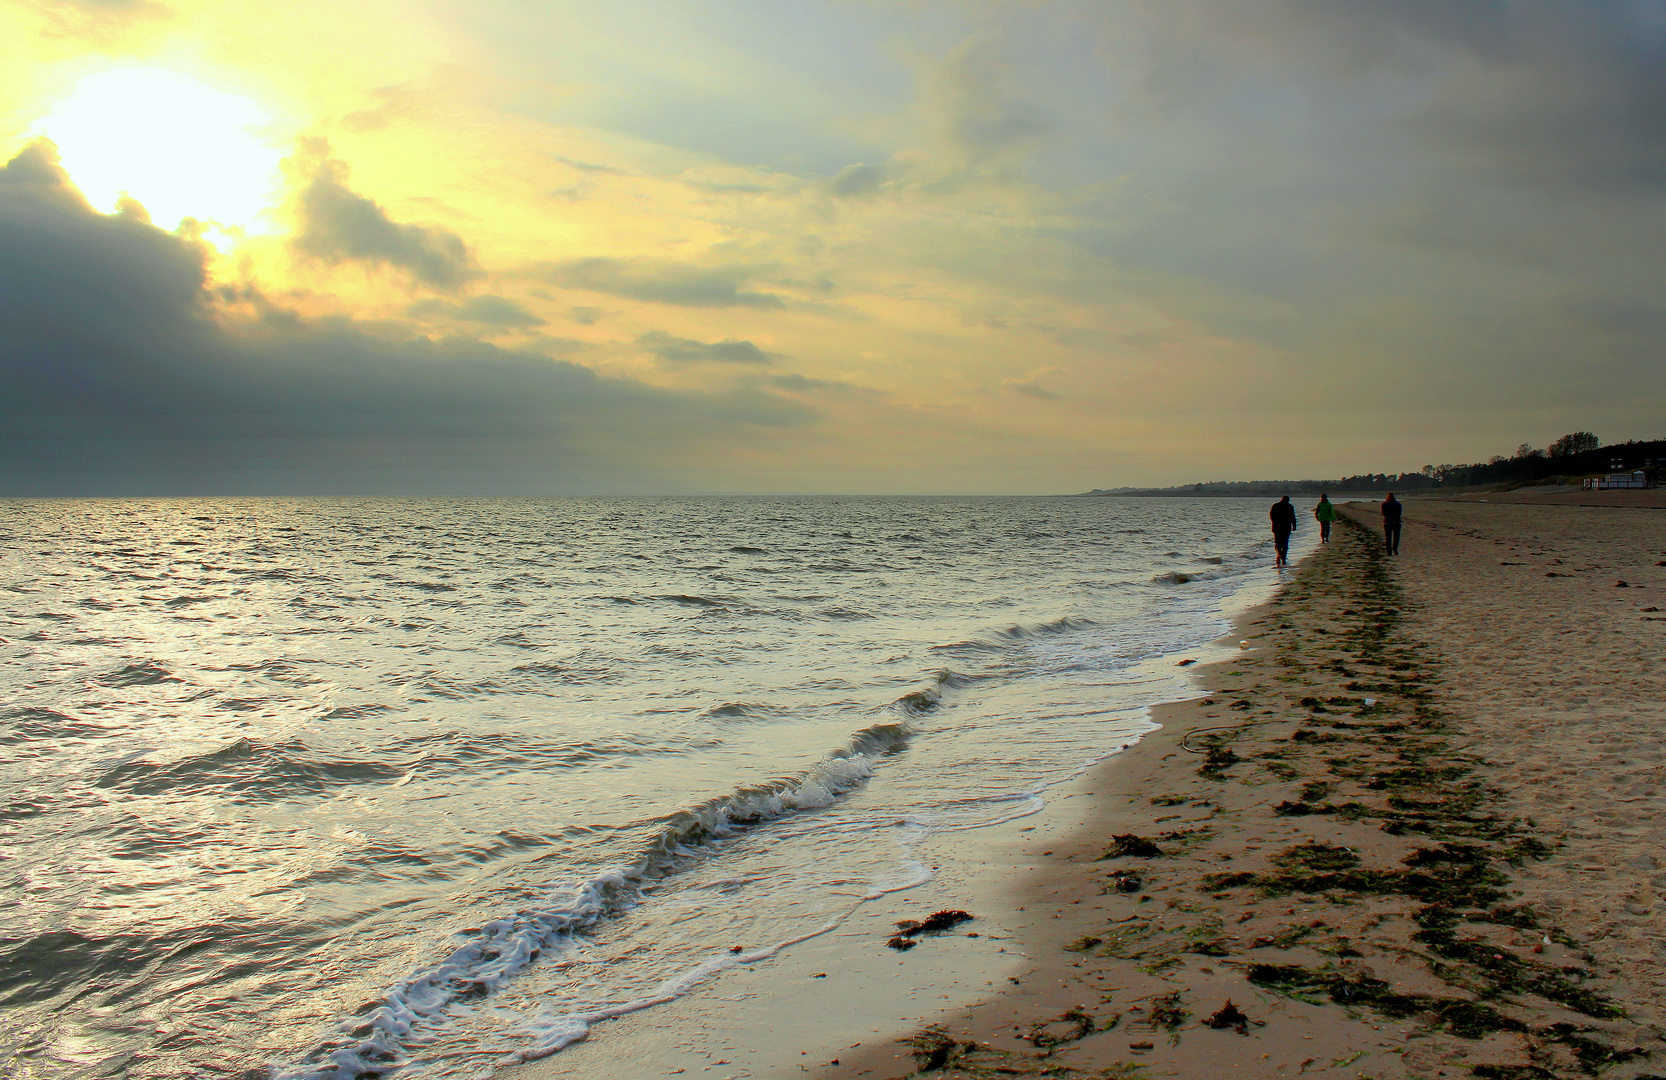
<point>98,20</point>
<point>972,100</point>
<point>393,103</point>
<point>1030,386</point>
<point>487,310</point>
<point>661,282</point>
<point>676,350</point>
<point>123,375</point>
<point>338,225</point>
<point>1554,92</point>
<point>590,167</point>
<point>855,181</point>
<point>800,384</point>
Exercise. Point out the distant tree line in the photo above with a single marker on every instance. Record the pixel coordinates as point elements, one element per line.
<point>1571,458</point>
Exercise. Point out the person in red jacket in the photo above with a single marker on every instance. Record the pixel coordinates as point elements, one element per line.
<point>1283,516</point>
<point>1391,523</point>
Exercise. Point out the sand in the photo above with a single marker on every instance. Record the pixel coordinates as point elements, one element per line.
<point>1428,842</point>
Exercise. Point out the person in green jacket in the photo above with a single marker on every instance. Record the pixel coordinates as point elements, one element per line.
<point>1326,513</point>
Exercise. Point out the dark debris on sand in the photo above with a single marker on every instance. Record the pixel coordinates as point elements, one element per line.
<point>908,929</point>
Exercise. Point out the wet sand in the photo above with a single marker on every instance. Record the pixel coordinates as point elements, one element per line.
<point>1425,837</point>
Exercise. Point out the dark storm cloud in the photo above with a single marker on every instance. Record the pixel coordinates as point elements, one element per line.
<point>338,225</point>
<point>678,350</point>
<point>658,282</point>
<point>121,376</point>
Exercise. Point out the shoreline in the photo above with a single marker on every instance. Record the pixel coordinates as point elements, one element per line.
<point>841,992</point>
<point>1374,895</point>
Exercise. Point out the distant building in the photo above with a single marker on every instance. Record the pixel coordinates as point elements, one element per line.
<point>1637,479</point>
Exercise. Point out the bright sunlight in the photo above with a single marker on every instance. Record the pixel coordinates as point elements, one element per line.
<point>177,145</point>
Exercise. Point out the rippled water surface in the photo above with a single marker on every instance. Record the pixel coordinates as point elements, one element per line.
<point>342,786</point>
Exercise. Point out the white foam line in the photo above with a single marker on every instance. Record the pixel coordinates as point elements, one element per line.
<point>570,1028</point>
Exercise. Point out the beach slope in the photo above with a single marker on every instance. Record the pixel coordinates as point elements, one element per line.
<point>1414,830</point>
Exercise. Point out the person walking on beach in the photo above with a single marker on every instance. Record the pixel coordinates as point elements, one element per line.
<point>1326,513</point>
<point>1283,516</point>
<point>1391,523</point>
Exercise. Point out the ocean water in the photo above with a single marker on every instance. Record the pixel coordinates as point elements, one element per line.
<point>320,788</point>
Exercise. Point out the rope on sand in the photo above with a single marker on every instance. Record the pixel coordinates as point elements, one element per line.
<point>1185,740</point>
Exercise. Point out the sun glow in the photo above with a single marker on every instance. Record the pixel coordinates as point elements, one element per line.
<point>178,146</point>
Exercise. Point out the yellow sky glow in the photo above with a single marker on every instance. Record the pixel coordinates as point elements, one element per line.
<point>178,146</point>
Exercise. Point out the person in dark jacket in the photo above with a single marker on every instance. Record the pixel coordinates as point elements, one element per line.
<point>1283,516</point>
<point>1391,523</point>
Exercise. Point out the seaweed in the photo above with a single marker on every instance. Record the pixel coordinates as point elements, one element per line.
<point>1125,881</point>
<point>1301,809</point>
<point>1314,790</point>
<point>938,921</point>
<point>1075,1024</point>
<point>1317,857</point>
<point>934,1048</point>
<point>1229,1016</point>
<point>1521,916</point>
<point>1217,760</point>
<point>1130,846</point>
<point>1463,1018</point>
<point>1167,1012</point>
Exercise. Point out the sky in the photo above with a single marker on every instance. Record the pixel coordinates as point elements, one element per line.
<point>483,247</point>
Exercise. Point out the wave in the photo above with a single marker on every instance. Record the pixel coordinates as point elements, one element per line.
<point>1006,637</point>
<point>259,772</point>
<point>930,697</point>
<point>370,1044</point>
<point>46,725</point>
<point>569,672</point>
<point>479,754</point>
<point>693,601</point>
<point>144,673</point>
<point>1063,625</point>
<point>843,613</point>
<point>248,771</point>
<point>739,710</point>
<point>54,963</point>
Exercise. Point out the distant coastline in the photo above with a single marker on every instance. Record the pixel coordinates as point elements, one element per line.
<point>1248,489</point>
<point>1568,460</point>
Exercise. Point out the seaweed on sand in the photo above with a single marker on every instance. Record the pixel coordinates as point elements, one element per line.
<point>1127,845</point>
<point>936,922</point>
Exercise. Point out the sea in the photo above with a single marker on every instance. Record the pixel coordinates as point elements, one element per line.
<point>375,787</point>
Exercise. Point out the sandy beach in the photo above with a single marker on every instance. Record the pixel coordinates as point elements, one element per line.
<point>1416,830</point>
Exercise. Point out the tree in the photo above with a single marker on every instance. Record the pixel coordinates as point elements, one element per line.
<point>1574,442</point>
